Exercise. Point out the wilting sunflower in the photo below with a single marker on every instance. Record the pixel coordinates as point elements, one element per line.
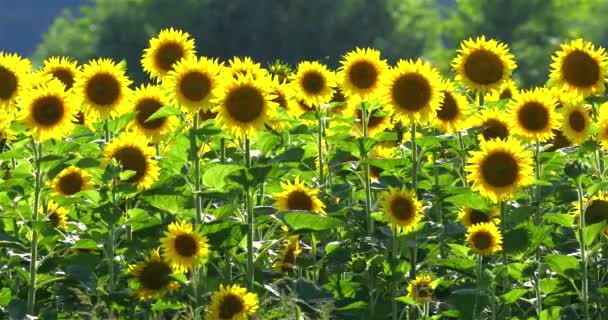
<point>62,69</point>
<point>244,104</point>
<point>56,215</point>
<point>70,181</point>
<point>602,135</point>
<point>232,302</point>
<point>104,88</point>
<point>378,119</point>
<point>298,196</point>
<point>533,115</point>
<point>507,90</point>
<point>576,122</point>
<point>152,277</point>
<point>133,153</point>
<point>48,111</point>
<point>579,68</point>
<point>241,67</point>
<point>164,51</point>
<point>145,101</point>
<point>452,110</point>
<point>313,83</point>
<point>401,208</point>
<point>183,246</point>
<point>500,169</point>
<point>360,72</point>
<point>470,216</point>
<point>421,289</point>
<point>192,83</point>
<point>484,238</point>
<point>14,77</point>
<point>483,65</point>
<point>287,258</point>
<point>596,211</point>
<point>412,91</point>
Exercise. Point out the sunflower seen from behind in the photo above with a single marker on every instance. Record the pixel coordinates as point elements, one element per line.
<point>192,82</point>
<point>401,208</point>
<point>145,101</point>
<point>103,87</point>
<point>183,246</point>
<point>453,108</point>
<point>533,115</point>
<point>297,196</point>
<point>313,83</point>
<point>48,111</point>
<point>132,152</point>
<point>579,68</point>
<point>484,238</point>
<point>152,277</point>
<point>499,169</point>
<point>576,123</point>
<point>70,181</point>
<point>56,215</point>
<point>287,258</point>
<point>165,50</point>
<point>483,65</point>
<point>420,290</point>
<point>14,77</point>
<point>411,91</point>
<point>63,69</point>
<point>360,72</point>
<point>232,302</point>
<point>471,216</point>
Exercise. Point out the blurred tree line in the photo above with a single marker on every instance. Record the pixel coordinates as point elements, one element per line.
<point>294,30</point>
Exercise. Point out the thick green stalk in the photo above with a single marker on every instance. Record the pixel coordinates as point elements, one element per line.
<point>112,228</point>
<point>250,218</point>
<point>537,221</point>
<point>414,249</point>
<point>477,294</point>
<point>585,280</point>
<point>194,156</point>
<point>395,282</point>
<point>505,260</point>
<point>320,146</point>
<point>368,189</point>
<point>31,294</point>
<point>463,157</point>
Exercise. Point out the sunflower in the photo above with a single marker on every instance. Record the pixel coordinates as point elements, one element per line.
<point>244,104</point>
<point>152,277</point>
<point>6,134</point>
<point>133,153</point>
<point>579,68</point>
<point>204,115</point>
<point>401,208</point>
<point>14,77</point>
<point>287,259</point>
<point>500,168</point>
<point>241,67</point>
<point>411,91</point>
<point>360,72</point>
<point>70,181</point>
<point>285,102</point>
<point>301,108</point>
<point>297,196</point>
<point>382,150</point>
<point>192,82</point>
<point>104,88</point>
<point>340,104</point>
<point>484,238</point>
<point>576,122</point>
<point>483,65</point>
<point>232,303</point>
<point>602,135</point>
<point>470,216</point>
<point>596,211</point>
<point>48,111</point>
<point>145,101</point>
<point>313,83</point>
<point>165,51</point>
<point>183,246</point>
<point>421,289</point>
<point>492,124</point>
<point>280,70</point>
<point>62,69</point>
<point>507,90</point>
<point>378,119</point>
<point>451,113</point>
<point>56,215</point>
<point>533,115</point>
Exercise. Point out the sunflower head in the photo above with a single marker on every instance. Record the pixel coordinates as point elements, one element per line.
<point>232,302</point>
<point>164,51</point>
<point>14,77</point>
<point>500,168</point>
<point>483,65</point>
<point>533,115</point>
<point>6,134</point>
<point>471,216</point>
<point>360,72</point>
<point>287,258</point>
<point>412,91</point>
<point>298,196</point>
<point>602,135</point>
<point>313,83</point>
<point>596,211</point>
<point>421,289</point>
<point>286,104</point>
<point>48,111</point>
<point>132,152</point>
<point>484,238</point>
<point>576,122</point>
<point>280,70</point>
<point>243,67</point>
<point>507,90</point>
<point>192,82</point>
<point>401,208</point>
<point>377,119</point>
<point>183,246</point>
<point>56,215</point>
<point>103,87</point>
<point>146,101</point>
<point>491,123</point>
<point>452,110</point>
<point>579,68</point>
<point>70,181</point>
<point>152,277</point>
<point>63,69</point>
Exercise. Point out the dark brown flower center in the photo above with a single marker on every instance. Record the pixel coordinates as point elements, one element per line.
<point>482,240</point>
<point>580,69</point>
<point>313,82</point>
<point>402,208</point>
<point>185,245</point>
<point>65,76</point>
<point>305,107</point>
<point>577,121</point>
<point>204,115</point>
<point>596,212</point>
<point>411,92</point>
<point>506,94</point>
<point>483,67</point>
<point>132,158</point>
<point>280,99</point>
<point>71,183</point>
<point>48,111</point>
<point>363,75</point>
<point>230,306</point>
<point>494,129</point>
<point>167,55</point>
<point>195,86</point>
<point>155,275</point>
<point>478,216</point>
<point>145,108</point>
<point>54,218</point>
<point>245,104</point>
<point>533,116</point>
<point>299,200</point>
<point>103,89</point>
<point>499,169</point>
<point>423,290</point>
<point>448,110</point>
<point>8,83</point>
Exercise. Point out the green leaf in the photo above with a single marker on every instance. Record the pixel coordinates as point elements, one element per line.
<point>17,309</point>
<point>591,232</point>
<point>304,221</point>
<point>513,295</point>
<point>549,285</point>
<point>179,277</point>
<point>405,299</point>
<point>468,199</point>
<point>166,305</point>
<point>13,244</point>
<point>293,154</point>
<point>562,264</point>
<point>5,296</point>
<point>562,219</point>
<point>85,244</point>
<point>119,123</point>
<point>163,112</point>
<point>215,177</point>
<point>551,314</point>
<point>127,174</point>
<point>354,306</point>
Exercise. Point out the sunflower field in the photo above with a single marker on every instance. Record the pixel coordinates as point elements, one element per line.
<point>228,190</point>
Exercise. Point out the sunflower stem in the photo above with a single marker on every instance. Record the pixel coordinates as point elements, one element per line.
<point>250,218</point>
<point>395,281</point>
<point>414,249</point>
<point>585,282</point>
<point>537,220</point>
<point>31,294</point>
<point>463,157</point>
<point>320,146</point>
<point>197,170</point>
<point>478,293</point>
<point>368,189</point>
<point>505,260</point>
